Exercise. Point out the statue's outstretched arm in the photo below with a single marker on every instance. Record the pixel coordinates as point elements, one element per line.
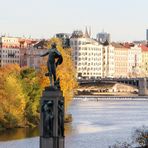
<point>45,54</point>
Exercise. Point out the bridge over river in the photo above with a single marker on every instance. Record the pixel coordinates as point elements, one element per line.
<point>140,83</point>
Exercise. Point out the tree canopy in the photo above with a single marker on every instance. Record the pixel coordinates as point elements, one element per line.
<point>21,89</point>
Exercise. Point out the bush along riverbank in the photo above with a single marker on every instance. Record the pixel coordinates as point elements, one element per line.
<point>139,139</point>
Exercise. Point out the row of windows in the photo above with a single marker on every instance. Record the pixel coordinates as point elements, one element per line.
<point>10,61</point>
<point>109,69</point>
<point>89,54</point>
<point>134,64</point>
<point>89,59</point>
<point>14,41</point>
<point>87,48</point>
<point>86,58</point>
<point>91,73</point>
<point>87,69</point>
<point>9,56</point>
<point>89,64</point>
<point>9,51</point>
<point>10,46</point>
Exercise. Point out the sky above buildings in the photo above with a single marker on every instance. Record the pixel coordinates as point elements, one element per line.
<point>125,20</point>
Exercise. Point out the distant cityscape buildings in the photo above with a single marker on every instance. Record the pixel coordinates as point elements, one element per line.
<point>86,55</point>
<point>65,37</point>
<point>13,50</point>
<point>103,37</point>
<point>9,56</point>
<point>93,58</point>
<point>147,35</point>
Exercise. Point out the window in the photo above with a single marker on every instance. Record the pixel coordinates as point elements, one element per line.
<point>71,42</point>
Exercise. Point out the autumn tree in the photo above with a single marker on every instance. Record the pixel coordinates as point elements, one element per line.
<point>65,72</point>
<point>12,98</point>
<point>14,102</point>
<point>21,89</point>
<point>33,91</point>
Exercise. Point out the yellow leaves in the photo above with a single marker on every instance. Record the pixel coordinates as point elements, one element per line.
<point>11,68</point>
<point>54,40</point>
<point>12,98</point>
<point>15,98</point>
<point>65,72</point>
<point>43,80</point>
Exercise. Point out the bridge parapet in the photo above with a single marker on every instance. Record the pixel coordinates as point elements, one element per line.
<point>140,83</point>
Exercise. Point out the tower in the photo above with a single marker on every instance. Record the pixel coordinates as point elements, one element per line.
<point>147,35</point>
<point>86,33</point>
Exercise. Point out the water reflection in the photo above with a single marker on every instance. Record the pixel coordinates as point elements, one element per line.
<point>21,133</point>
<point>87,129</point>
<point>18,133</point>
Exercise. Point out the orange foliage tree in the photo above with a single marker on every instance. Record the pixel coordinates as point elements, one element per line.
<point>12,98</point>
<point>65,72</point>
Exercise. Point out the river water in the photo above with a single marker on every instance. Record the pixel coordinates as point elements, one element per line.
<point>96,124</point>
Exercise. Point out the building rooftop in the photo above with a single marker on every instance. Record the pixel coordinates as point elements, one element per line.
<point>122,45</point>
<point>144,48</point>
<point>117,45</point>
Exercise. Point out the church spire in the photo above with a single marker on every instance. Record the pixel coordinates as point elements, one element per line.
<point>89,31</point>
<point>86,33</point>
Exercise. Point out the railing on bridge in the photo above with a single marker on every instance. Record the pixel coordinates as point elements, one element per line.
<point>140,83</point>
<point>109,98</point>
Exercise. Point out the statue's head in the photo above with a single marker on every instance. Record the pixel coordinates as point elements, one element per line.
<point>53,45</point>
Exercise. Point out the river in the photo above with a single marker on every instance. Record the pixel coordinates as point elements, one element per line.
<point>96,124</point>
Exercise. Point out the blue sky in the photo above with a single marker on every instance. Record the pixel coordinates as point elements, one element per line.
<point>124,19</point>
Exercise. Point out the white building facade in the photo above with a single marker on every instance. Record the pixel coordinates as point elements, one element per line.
<point>108,61</point>
<point>87,56</point>
<point>134,61</point>
<point>9,56</point>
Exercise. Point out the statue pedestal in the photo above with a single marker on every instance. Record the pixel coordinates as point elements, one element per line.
<point>52,119</point>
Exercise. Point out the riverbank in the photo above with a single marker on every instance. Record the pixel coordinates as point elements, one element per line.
<point>68,119</point>
<point>110,98</point>
<point>95,124</point>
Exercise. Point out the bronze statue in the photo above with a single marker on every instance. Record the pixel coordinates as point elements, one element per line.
<point>52,63</point>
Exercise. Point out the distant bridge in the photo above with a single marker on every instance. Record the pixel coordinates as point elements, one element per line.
<point>140,83</point>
